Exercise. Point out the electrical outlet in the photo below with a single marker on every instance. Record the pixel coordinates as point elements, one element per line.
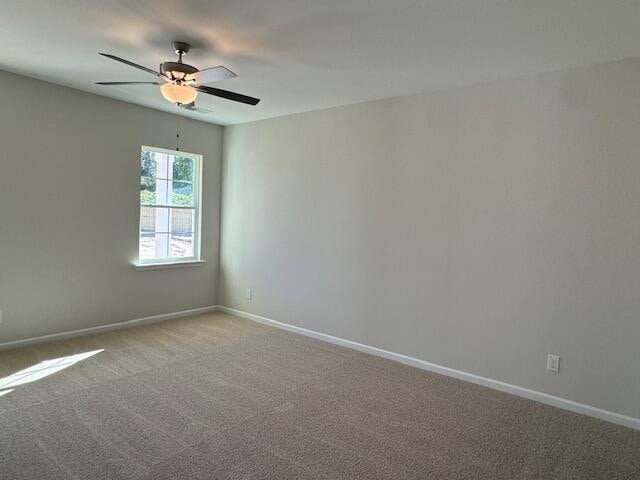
<point>249,294</point>
<point>553,363</point>
<point>0,316</point>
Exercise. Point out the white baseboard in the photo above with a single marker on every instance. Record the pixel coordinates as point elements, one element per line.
<point>105,328</point>
<point>545,398</point>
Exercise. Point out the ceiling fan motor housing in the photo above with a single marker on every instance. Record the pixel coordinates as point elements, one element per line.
<point>177,70</point>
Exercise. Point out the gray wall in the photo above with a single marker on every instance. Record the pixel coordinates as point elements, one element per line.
<point>69,190</point>
<point>478,228</point>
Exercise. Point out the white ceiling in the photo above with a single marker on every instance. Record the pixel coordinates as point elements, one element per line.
<point>299,55</point>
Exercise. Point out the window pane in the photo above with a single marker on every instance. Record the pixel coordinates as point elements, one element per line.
<point>147,190</point>
<point>182,245</point>
<point>147,246</point>
<point>148,164</point>
<point>147,220</point>
<point>182,220</point>
<point>182,193</point>
<point>183,169</point>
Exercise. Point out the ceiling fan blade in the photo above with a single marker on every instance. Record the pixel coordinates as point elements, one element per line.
<point>128,83</point>
<point>236,97</point>
<point>134,65</point>
<point>214,74</point>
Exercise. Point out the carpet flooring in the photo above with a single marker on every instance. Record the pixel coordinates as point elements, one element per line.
<point>217,397</point>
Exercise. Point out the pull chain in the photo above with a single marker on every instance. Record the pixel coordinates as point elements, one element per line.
<point>177,134</point>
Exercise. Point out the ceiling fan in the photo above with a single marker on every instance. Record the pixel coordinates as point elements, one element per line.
<point>180,83</point>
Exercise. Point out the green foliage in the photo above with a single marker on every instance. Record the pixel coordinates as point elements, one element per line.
<point>148,164</point>
<point>183,169</point>
<point>148,197</point>
<point>182,199</point>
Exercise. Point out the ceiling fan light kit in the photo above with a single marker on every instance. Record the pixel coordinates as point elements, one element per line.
<point>178,94</point>
<point>182,82</point>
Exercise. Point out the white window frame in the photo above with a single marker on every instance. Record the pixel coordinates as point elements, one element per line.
<point>196,259</point>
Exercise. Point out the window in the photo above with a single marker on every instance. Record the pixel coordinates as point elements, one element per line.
<point>169,206</point>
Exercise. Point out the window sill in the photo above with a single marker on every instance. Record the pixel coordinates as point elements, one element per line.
<point>158,266</point>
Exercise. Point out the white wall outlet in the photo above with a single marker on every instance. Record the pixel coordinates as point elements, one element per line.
<point>0,316</point>
<point>553,363</point>
<point>249,294</point>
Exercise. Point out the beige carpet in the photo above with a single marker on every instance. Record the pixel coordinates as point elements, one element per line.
<point>216,397</point>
